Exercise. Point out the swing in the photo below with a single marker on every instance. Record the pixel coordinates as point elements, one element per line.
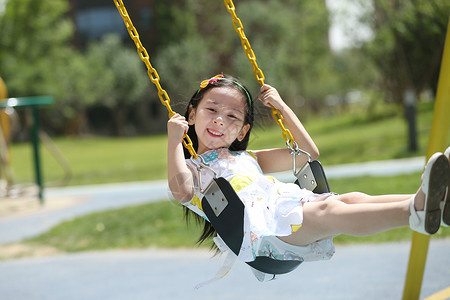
<point>220,203</point>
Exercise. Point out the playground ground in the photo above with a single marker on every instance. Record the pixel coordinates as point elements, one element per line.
<point>370,271</point>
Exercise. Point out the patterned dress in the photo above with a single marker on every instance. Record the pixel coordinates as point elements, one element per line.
<point>272,208</point>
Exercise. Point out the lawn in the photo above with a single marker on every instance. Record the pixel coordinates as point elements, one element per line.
<point>162,225</point>
<point>341,139</point>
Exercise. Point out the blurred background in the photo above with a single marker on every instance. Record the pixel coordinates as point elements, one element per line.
<point>366,60</point>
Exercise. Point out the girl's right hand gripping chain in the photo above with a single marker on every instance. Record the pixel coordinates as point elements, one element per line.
<point>180,177</point>
<point>177,127</point>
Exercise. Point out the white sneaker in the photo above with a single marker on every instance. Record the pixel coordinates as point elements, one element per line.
<point>434,184</point>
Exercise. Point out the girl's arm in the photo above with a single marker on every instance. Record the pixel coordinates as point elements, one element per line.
<point>180,178</point>
<point>276,160</point>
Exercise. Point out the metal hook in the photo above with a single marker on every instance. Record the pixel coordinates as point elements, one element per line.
<point>295,150</point>
<point>199,167</point>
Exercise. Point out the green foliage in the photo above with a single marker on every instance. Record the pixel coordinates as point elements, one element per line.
<point>290,41</point>
<point>175,22</point>
<point>108,75</point>
<point>407,47</point>
<point>182,66</point>
<point>297,62</point>
<point>33,32</point>
<point>37,58</point>
<point>195,39</point>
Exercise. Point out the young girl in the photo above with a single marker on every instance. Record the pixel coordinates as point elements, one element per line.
<point>282,220</point>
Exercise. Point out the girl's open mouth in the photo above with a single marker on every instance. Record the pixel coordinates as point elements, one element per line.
<point>214,133</point>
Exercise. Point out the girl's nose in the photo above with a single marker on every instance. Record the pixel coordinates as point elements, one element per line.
<point>218,120</point>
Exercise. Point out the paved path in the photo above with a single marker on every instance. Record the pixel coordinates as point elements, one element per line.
<point>81,200</point>
<point>355,272</point>
<point>109,196</point>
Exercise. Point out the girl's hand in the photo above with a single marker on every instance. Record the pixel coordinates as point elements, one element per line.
<point>269,96</point>
<point>177,127</point>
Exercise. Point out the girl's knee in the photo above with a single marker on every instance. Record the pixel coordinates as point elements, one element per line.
<point>352,197</point>
<point>318,216</point>
<point>322,209</point>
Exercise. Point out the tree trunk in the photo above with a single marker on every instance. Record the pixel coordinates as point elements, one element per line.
<point>409,100</point>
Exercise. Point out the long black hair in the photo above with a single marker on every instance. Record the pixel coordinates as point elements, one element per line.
<point>230,82</point>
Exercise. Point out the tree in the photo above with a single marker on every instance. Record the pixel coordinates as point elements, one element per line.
<point>33,32</point>
<point>408,44</point>
<point>119,79</point>
<point>37,58</point>
<point>183,64</point>
<point>107,75</point>
<point>290,40</point>
<point>407,50</point>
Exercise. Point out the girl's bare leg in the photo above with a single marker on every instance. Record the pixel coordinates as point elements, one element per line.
<point>332,217</point>
<point>359,198</point>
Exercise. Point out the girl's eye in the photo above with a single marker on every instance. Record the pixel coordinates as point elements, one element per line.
<point>211,109</point>
<point>232,116</point>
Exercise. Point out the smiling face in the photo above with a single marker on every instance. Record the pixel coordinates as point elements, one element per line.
<point>219,119</point>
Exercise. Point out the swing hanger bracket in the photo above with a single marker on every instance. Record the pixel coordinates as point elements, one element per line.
<point>212,192</point>
<point>305,174</point>
<point>295,150</point>
<point>202,165</point>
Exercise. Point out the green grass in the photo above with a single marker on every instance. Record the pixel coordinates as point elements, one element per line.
<point>162,225</point>
<point>341,139</point>
<point>159,224</point>
<point>357,137</point>
<point>97,160</point>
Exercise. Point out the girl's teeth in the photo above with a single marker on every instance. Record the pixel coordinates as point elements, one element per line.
<point>215,133</point>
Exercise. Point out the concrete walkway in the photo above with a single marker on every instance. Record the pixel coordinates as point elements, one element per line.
<point>355,272</point>
<point>66,203</point>
<point>69,202</point>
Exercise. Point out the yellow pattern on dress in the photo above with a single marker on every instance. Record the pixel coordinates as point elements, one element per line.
<point>239,182</point>
<point>294,228</point>
<point>252,154</point>
<point>272,178</point>
<point>196,202</point>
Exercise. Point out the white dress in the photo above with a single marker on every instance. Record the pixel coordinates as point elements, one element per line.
<point>272,208</point>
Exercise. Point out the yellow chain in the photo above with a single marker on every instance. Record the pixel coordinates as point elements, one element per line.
<point>244,41</point>
<point>152,73</point>
<point>256,70</point>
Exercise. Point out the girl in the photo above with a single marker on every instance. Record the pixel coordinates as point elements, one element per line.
<point>281,220</point>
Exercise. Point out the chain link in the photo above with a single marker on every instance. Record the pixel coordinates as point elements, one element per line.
<point>152,73</point>
<point>256,70</point>
<point>244,41</point>
<point>162,94</point>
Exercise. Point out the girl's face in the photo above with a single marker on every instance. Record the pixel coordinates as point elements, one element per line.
<point>219,119</point>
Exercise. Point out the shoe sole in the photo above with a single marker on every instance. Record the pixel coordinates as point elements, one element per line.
<point>446,212</point>
<point>446,208</point>
<point>438,181</point>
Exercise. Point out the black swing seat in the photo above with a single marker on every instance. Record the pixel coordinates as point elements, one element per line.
<point>225,211</point>
<point>312,177</point>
